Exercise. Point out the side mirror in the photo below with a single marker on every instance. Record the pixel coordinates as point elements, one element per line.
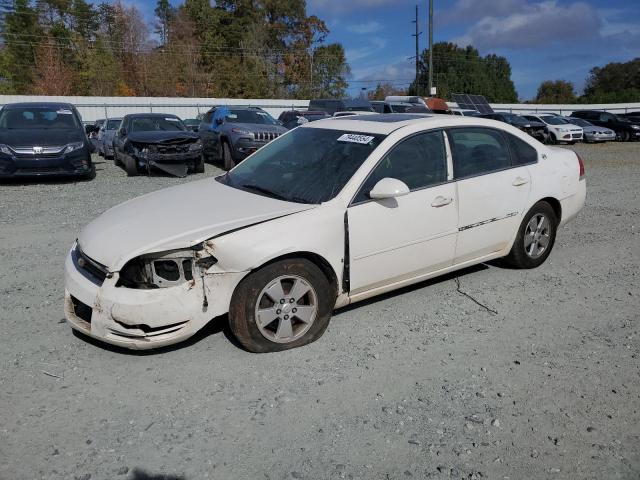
<point>123,132</point>
<point>389,188</point>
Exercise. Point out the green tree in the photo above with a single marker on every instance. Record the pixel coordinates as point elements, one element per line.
<point>18,32</point>
<point>463,70</point>
<point>164,14</point>
<point>613,83</point>
<point>330,70</point>
<point>556,91</point>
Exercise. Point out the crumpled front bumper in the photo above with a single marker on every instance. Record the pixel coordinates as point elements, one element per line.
<point>143,319</point>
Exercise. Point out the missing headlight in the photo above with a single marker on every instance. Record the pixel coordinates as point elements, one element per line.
<point>166,269</point>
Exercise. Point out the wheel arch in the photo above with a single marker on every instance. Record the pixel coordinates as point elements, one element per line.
<point>555,205</point>
<point>318,260</point>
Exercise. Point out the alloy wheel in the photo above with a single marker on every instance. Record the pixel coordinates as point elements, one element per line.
<point>286,309</point>
<point>537,235</point>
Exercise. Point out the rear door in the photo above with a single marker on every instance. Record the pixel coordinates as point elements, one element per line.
<point>400,238</point>
<point>492,190</point>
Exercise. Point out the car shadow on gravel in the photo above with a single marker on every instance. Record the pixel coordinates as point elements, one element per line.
<point>139,474</point>
<point>216,326</point>
<point>411,288</point>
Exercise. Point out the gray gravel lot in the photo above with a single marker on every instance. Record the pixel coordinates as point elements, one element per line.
<point>420,383</point>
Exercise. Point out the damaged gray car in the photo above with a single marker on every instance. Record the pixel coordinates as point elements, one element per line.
<point>156,141</point>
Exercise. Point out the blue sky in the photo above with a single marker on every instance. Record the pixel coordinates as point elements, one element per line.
<point>542,39</point>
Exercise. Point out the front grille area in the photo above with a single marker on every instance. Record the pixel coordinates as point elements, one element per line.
<point>266,136</point>
<point>89,267</point>
<point>171,149</point>
<point>81,310</point>
<point>576,135</point>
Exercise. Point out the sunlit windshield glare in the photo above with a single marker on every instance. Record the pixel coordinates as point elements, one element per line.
<point>37,118</point>
<point>151,124</point>
<point>308,165</point>
<point>554,120</point>
<point>250,116</point>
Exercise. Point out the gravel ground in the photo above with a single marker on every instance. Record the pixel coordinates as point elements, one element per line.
<point>420,383</point>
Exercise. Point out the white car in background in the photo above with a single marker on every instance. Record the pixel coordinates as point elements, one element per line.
<point>353,113</point>
<point>559,129</point>
<point>331,213</point>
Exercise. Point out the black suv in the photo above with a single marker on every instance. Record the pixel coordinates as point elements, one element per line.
<point>626,129</point>
<point>43,139</point>
<point>537,130</point>
<point>332,106</point>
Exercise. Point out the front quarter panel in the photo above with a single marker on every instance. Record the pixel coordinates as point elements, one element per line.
<point>318,231</point>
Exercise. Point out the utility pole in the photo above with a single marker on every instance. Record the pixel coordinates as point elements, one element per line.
<point>430,46</point>
<point>417,57</point>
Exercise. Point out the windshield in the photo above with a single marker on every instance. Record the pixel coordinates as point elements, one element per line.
<point>550,120</point>
<point>308,165</point>
<point>358,108</point>
<point>512,117</point>
<point>113,124</point>
<point>152,124</point>
<point>250,116</point>
<point>37,118</point>
<point>580,122</point>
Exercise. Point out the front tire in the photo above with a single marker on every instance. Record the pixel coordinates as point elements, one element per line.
<point>535,239</point>
<point>285,304</point>
<point>227,159</point>
<point>624,136</point>
<point>130,166</point>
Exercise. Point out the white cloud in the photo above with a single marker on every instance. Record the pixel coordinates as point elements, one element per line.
<point>364,28</point>
<point>534,26</point>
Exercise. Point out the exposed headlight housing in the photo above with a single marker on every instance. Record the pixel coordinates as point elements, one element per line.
<point>73,147</point>
<point>564,130</point>
<point>6,150</point>
<point>165,269</point>
<point>194,147</point>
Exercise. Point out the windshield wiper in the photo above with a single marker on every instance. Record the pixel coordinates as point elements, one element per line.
<point>266,191</point>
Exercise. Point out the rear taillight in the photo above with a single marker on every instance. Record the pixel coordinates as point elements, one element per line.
<point>581,163</point>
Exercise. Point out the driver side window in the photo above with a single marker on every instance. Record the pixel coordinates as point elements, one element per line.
<point>419,161</point>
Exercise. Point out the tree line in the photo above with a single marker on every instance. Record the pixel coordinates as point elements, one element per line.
<point>235,48</point>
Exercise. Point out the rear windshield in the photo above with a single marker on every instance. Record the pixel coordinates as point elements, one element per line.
<point>38,118</point>
<point>250,116</point>
<point>113,124</point>
<point>151,124</point>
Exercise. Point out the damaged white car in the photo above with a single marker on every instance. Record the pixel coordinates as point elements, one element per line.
<point>333,212</point>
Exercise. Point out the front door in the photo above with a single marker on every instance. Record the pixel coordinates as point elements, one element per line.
<point>399,238</point>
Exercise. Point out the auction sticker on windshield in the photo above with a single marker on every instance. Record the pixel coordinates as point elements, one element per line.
<point>354,138</point>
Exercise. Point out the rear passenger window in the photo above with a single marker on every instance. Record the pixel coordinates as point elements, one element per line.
<point>477,151</point>
<point>521,152</point>
<point>419,161</point>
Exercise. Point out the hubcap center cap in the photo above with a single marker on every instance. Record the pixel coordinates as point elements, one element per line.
<point>287,308</point>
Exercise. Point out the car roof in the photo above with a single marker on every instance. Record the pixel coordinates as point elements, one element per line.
<point>39,105</point>
<point>386,123</point>
<point>138,115</point>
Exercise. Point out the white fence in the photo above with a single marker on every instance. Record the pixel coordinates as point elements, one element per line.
<point>93,108</point>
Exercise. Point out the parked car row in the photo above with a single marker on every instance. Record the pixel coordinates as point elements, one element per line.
<point>39,139</point>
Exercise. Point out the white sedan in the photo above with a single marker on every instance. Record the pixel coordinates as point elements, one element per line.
<point>560,130</point>
<point>331,213</point>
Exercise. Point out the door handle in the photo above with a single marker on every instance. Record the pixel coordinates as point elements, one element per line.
<point>519,181</point>
<point>441,201</point>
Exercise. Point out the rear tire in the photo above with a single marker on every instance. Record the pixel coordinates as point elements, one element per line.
<point>535,239</point>
<point>227,160</point>
<point>91,174</point>
<point>296,300</point>
<point>130,166</point>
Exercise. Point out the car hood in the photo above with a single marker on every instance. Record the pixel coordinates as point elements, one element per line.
<point>258,127</point>
<point>176,217</point>
<point>157,137</point>
<point>40,138</point>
